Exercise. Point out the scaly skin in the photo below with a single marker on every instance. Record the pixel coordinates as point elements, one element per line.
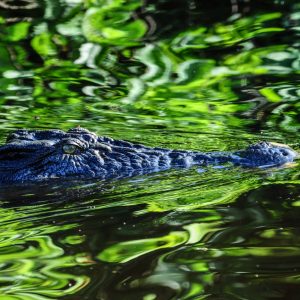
<point>32,155</point>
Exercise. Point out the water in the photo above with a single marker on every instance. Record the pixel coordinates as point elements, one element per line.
<point>195,75</point>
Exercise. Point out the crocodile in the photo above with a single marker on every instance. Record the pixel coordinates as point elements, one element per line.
<point>35,155</point>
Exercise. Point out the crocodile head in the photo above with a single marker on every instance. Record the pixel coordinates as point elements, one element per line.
<point>31,155</point>
<point>265,155</point>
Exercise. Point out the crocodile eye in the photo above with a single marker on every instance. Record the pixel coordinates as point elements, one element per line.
<point>69,148</point>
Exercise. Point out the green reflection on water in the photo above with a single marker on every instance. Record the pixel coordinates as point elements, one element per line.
<point>31,264</point>
<point>127,251</point>
<point>90,76</point>
<point>216,79</point>
<point>110,23</point>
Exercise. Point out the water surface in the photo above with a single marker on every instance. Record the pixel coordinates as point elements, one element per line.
<point>199,75</point>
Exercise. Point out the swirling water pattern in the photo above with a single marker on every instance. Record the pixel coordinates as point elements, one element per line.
<point>198,75</point>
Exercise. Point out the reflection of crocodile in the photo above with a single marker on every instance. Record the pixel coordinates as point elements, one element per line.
<point>31,155</point>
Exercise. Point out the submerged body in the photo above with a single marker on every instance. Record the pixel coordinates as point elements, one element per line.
<point>33,155</point>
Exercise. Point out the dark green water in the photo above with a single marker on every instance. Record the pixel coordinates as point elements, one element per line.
<point>206,75</point>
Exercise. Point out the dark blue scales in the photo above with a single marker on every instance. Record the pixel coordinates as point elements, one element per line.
<point>35,155</point>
